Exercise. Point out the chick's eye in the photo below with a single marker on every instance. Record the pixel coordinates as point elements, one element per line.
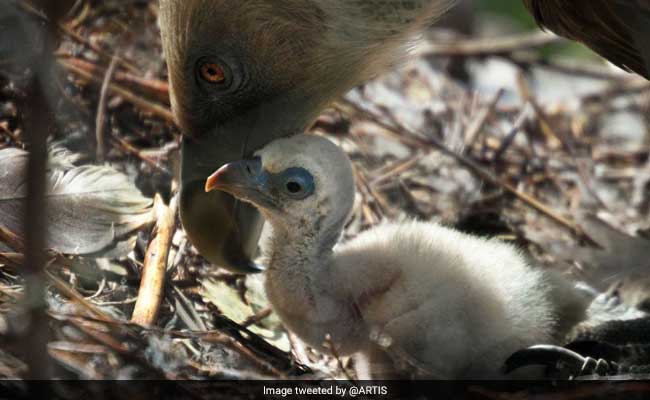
<point>212,73</point>
<point>298,183</point>
<point>293,187</point>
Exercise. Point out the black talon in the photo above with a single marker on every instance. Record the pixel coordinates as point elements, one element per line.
<point>597,349</point>
<point>545,354</point>
<point>597,367</point>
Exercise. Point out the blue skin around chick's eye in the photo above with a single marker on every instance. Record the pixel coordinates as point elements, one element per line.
<point>297,183</point>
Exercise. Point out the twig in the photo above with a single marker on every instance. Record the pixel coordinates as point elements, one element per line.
<point>15,260</point>
<point>76,37</point>
<point>146,105</point>
<point>626,87</point>
<point>254,319</point>
<point>217,337</point>
<point>380,200</point>
<point>565,140</point>
<point>101,111</point>
<point>156,87</point>
<point>491,46</point>
<point>11,239</point>
<point>134,151</point>
<point>72,294</point>
<point>152,284</point>
<point>510,137</point>
<point>578,70</point>
<point>363,190</point>
<point>329,344</point>
<point>478,123</point>
<point>415,140</point>
<point>396,168</point>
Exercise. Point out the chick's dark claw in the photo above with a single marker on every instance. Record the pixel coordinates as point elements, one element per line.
<point>555,358</point>
<point>564,363</point>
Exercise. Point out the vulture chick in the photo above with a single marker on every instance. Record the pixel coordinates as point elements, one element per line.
<point>411,299</point>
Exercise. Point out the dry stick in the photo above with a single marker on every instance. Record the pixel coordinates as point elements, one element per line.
<point>579,70</point>
<point>100,316</point>
<point>472,132</point>
<point>329,344</point>
<point>380,199</point>
<point>397,168</point>
<point>76,37</point>
<point>415,140</point>
<point>11,239</point>
<point>478,123</point>
<point>80,15</point>
<point>485,47</point>
<point>101,111</point>
<point>152,285</point>
<point>257,318</point>
<point>363,190</point>
<point>122,62</point>
<point>621,88</point>
<point>134,151</point>
<point>72,294</point>
<point>510,137</point>
<point>220,338</point>
<point>106,338</point>
<point>148,106</point>
<point>156,87</point>
<point>210,336</point>
<point>565,140</point>
<point>13,260</point>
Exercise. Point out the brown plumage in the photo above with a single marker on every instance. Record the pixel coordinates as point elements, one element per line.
<point>280,62</point>
<point>616,29</point>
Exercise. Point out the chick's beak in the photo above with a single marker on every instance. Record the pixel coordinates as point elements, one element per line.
<point>244,179</point>
<point>217,181</point>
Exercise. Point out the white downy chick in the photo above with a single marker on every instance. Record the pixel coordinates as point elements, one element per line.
<point>411,299</point>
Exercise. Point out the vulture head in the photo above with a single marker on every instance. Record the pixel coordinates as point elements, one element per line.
<point>243,73</point>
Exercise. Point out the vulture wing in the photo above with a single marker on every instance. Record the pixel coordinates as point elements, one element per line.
<point>616,29</point>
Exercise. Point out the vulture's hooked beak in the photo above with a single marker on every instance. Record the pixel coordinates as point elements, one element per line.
<point>244,179</point>
<point>223,228</point>
<point>222,224</point>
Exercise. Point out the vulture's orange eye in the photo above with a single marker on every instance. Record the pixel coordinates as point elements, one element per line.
<point>212,73</point>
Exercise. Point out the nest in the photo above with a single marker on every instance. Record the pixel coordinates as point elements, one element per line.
<point>490,137</point>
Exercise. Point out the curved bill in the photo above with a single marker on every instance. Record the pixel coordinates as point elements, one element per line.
<point>223,229</point>
<point>244,179</point>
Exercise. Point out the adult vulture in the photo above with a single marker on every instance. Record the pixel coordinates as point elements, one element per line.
<point>243,73</point>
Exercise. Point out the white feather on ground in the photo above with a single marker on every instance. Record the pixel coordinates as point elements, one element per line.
<point>92,210</point>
